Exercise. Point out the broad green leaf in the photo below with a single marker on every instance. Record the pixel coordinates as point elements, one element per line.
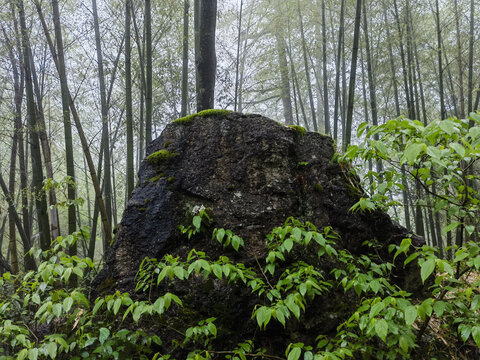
<point>465,330</point>
<point>116,305</point>
<point>381,328</point>
<point>403,248</point>
<point>470,229</point>
<point>197,222</point>
<point>104,334</point>
<point>288,244</point>
<point>220,235</point>
<point>450,227</point>
<point>52,350</point>
<point>297,234</point>
<point>439,307</point>
<point>413,150</point>
<point>447,126</point>
<point>33,354</point>
<point>57,310</point>
<point>476,335</point>
<point>98,305</point>
<point>67,304</point>
<point>375,310</point>
<point>459,149</point>
<point>22,354</point>
<point>403,343</point>
<point>410,314</point>
<point>294,354</point>
<point>426,269</point>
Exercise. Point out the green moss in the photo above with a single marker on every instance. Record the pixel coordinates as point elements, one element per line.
<point>146,201</point>
<point>161,156</point>
<point>156,178</point>
<point>318,187</point>
<point>167,144</point>
<point>142,209</point>
<point>184,120</point>
<point>299,129</point>
<point>210,112</point>
<point>171,179</point>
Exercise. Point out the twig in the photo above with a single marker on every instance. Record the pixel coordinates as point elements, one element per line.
<point>265,276</point>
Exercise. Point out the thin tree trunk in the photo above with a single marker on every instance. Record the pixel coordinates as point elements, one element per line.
<point>392,65</point>
<point>29,263</point>
<point>410,63</point>
<point>54,219</point>
<point>402,56</point>
<point>183,112</point>
<point>459,61</point>
<point>72,224</point>
<point>206,64</point>
<point>326,106</point>
<point>470,57</point>
<point>307,71</point>
<point>11,190</point>
<point>284,81</point>
<point>128,102</point>
<point>371,83</point>
<point>353,75</point>
<point>148,56</point>
<point>37,171</point>
<point>443,114</point>
<point>295,85</point>
<point>143,87</point>
<point>237,60</point>
<point>337,68</point>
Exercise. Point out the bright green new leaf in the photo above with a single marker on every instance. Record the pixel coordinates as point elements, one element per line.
<point>104,334</point>
<point>476,335</point>
<point>426,269</point>
<point>52,350</point>
<point>410,314</point>
<point>294,354</point>
<point>403,343</point>
<point>381,328</point>
<point>413,150</point>
<point>197,222</point>
<point>459,149</point>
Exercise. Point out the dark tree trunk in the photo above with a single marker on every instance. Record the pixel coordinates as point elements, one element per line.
<point>184,109</point>
<point>128,102</point>
<point>206,62</point>
<point>443,114</point>
<point>284,81</point>
<point>72,221</point>
<point>326,106</point>
<point>237,59</point>
<point>307,71</point>
<point>148,56</point>
<point>338,71</point>
<point>37,171</point>
<point>353,75</point>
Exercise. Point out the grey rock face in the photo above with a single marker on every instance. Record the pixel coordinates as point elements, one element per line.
<point>252,174</point>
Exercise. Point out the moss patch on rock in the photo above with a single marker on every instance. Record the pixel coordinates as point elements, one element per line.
<point>156,178</point>
<point>299,129</point>
<point>210,112</point>
<point>161,156</point>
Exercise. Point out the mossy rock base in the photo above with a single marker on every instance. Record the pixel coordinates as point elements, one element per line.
<point>252,174</point>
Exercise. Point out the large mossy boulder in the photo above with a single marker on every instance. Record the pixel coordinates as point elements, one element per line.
<point>250,173</point>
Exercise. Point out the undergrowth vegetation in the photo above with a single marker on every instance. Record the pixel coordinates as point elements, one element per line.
<point>43,317</point>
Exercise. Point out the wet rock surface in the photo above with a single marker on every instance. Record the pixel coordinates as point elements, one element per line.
<point>251,173</point>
